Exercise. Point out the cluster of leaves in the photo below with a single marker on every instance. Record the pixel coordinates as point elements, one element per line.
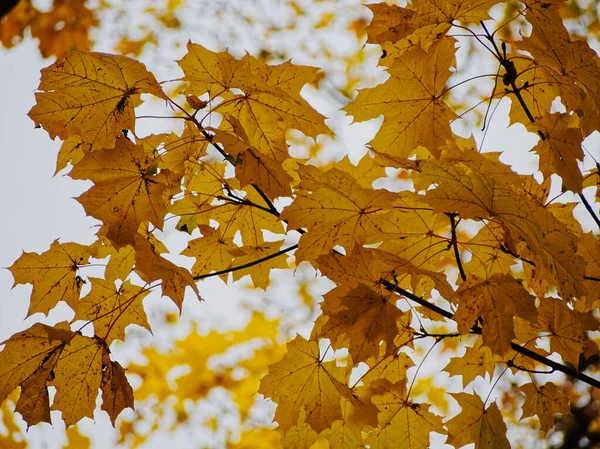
<point>65,26</point>
<point>469,246</point>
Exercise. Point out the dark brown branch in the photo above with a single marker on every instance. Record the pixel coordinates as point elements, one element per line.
<point>589,209</point>
<point>568,370</point>
<point>454,243</point>
<point>246,265</point>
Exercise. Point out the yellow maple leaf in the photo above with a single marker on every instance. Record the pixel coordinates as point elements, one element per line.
<point>152,267</point>
<point>497,299</point>
<point>302,380</point>
<point>410,101</point>
<point>573,62</point>
<point>182,153</point>
<point>126,191</point>
<point>565,328</point>
<point>544,401</point>
<point>53,275</point>
<point>212,251</point>
<point>477,361</point>
<point>475,195</point>
<point>403,424</point>
<point>71,151</point>
<point>560,149</point>
<point>64,27</point>
<point>117,394</point>
<point>487,256</point>
<point>91,95</point>
<point>259,272</point>
<point>111,309</point>
<point>271,103</point>
<point>45,356</point>
<point>589,249</point>
<point>477,424</point>
<point>253,167</point>
<point>366,319</point>
<point>390,23</point>
<point>77,378</point>
<point>340,213</point>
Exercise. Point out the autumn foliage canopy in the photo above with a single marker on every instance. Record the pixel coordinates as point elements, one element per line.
<point>467,254</point>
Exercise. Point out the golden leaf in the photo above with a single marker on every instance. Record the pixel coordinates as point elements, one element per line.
<point>126,191</point>
<point>410,101</point>
<point>477,424</point>
<point>497,299</point>
<point>91,95</point>
<point>53,275</point>
<point>544,401</point>
<point>111,309</point>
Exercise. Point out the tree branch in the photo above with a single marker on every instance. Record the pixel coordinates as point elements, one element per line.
<point>454,243</point>
<point>568,370</point>
<point>246,265</point>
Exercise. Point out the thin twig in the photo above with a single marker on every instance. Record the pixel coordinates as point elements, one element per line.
<point>246,265</point>
<point>454,243</point>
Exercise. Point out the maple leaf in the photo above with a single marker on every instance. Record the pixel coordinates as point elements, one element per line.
<point>361,267</point>
<point>403,424</point>
<point>497,299</point>
<point>390,23</point>
<point>91,95</point>
<point>53,275</point>
<point>302,380</point>
<point>77,378</point>
<point>121,261</point>
<point>71,151</point>
<point>31,368</point>
<point>422,23</point>
<point>560,149</point>
<point>271,103</point>
<point>111,309</point>
<point>346,433</point>
<point>477,361</point>
<point>64,27</point>
<point>544,401</point>
<point>125,191</point>
<point>487,254</point>
<point>182,153</point>
<point>365,318</point>
<point>477,196</point>
<point>565,328</point>
<point>152,267</point>
<point>45,356</point>
<point>477,424</point>
<point>574,62</point>
<point>589,249</point>
<point>253,167</point>
<point>235,216</point>
<point>259,272</point>
<point>212,251</point>
<point>338,214</point>
<point>410,101</point>
<point>117,394</point>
